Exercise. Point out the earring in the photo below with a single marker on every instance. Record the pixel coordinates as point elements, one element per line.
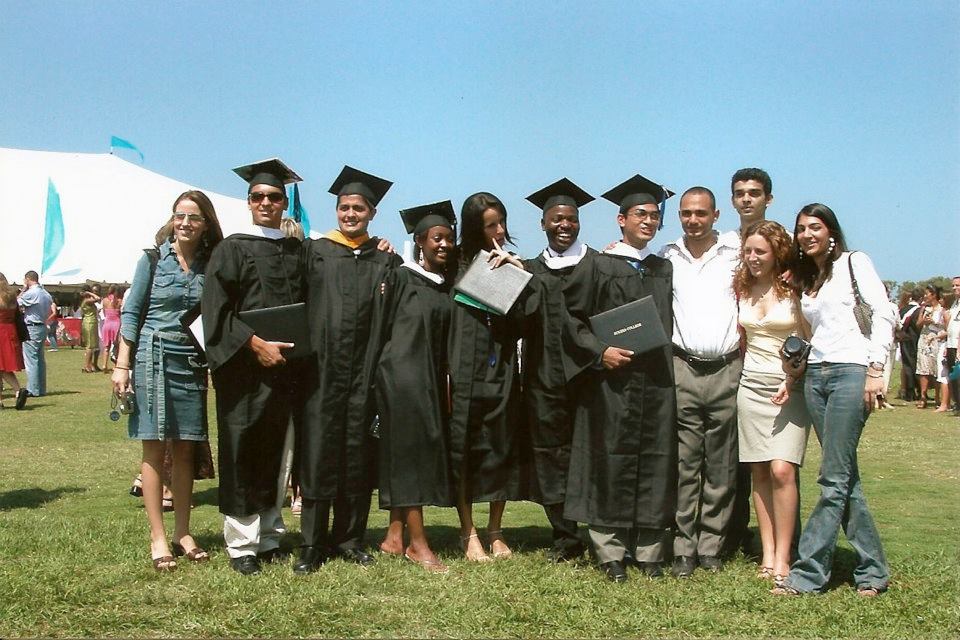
<point>800,252</point>
<point>831,245</point>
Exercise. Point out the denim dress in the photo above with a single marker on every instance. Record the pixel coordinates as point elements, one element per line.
<point>171,390</point>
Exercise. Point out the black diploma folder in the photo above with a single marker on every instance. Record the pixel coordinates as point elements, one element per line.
<point>635,326</point>
<point>287,323</point>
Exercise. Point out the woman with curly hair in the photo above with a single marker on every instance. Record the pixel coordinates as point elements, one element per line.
<point>773,420</point>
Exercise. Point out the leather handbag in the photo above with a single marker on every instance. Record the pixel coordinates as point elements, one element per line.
<point>862,310</point>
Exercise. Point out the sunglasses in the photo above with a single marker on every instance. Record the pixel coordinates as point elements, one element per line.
<point>256,197</point>
<point>192,218</point>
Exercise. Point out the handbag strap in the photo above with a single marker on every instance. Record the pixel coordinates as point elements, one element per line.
<point>853,280</point>
<point>153,254</point>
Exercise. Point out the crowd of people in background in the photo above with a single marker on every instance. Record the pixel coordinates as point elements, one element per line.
<point>433,398</point>
<point>928,326</point>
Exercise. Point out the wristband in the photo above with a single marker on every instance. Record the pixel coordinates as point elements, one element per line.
<point>873,376</point>
<point>116,366</point>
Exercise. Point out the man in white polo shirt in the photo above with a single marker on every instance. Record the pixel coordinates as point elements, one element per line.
<point>707,366</point>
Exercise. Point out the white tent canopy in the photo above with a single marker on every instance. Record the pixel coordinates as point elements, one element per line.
<point>111,211</point>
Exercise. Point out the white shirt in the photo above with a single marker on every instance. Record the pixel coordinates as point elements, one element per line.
<point>836,334</point>
<point>953,326</point>
<point>704,304</point>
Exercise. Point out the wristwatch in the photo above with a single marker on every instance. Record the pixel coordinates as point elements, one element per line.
<point>877,366</point>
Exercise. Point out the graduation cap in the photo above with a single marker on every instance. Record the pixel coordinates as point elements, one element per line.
<point>639,190</point>
<point>272,172</point>
<point>416,220</point>
<point>561,192</point>
<point>353,182</point>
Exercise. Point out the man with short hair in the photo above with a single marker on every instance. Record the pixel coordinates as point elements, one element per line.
<point>343,271</point>
<point>751,192</point>
<point>707,365</point>
<point>623,460</point>
<point>258,391</point>
<point>36,303</point>
<point>549,402</point>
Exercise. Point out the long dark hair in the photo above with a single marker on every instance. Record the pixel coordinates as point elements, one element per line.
<point>472,238</point>
<point>211,237</point>
<point>807,276</point>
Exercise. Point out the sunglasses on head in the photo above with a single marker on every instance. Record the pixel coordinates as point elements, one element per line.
<point>257,197</point>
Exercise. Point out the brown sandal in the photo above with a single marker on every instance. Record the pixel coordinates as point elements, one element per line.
<point>165,564</point>
<point>194,555</point>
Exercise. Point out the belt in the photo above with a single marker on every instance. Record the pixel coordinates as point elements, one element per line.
<point>705,363</point>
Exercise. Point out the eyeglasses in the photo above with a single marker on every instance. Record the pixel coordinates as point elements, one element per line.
<point>642,214</point>
<point>256,197</point>
<point>192,218</point>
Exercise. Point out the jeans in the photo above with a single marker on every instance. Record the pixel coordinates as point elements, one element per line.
<point>34,361</point>
<point>52,334</point>
<point>834,396</point>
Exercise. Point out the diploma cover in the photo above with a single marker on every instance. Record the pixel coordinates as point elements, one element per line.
<point>635,326</point>
<point>496,288</point>
<point>287,323</point>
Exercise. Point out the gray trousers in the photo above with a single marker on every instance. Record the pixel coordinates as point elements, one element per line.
<point>610,543</point>
<point>707,456</point>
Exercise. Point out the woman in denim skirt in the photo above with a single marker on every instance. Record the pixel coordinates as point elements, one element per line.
<point>170,385</point>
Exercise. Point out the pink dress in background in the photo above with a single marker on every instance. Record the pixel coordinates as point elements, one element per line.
<point>111,324</point>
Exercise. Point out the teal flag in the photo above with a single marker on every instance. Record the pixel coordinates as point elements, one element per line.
<point>53,229</point>
<point>120,143</point>
<point>297,211</point>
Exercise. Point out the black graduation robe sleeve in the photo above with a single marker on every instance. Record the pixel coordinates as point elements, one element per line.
<point>224,333</point>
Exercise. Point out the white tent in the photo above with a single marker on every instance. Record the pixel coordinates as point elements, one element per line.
<point>111,210</point>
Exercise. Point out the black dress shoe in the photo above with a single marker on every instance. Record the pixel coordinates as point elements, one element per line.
<point>563,555</point>
<point>245,565</point>
<point>273,556</point>
<point>683,566</point>
<point>362,558</point>
<point>711,563</point>
<point>614,571</point>
<point>311,558</point>
<point>22,396</point>
<point>650,569</point>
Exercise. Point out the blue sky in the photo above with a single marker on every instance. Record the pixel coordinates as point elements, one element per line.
<point>853,104</point>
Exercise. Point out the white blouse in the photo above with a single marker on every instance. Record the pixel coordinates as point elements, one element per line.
<point>836,335</point>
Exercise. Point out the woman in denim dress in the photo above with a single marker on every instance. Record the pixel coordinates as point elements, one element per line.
<point>169,383</point>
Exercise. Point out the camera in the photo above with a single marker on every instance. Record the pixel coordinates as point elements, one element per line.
<point>122,404</point>
<point>795,351</point>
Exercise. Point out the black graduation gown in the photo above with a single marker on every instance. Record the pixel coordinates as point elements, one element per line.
<point>411,392</point>
<point>489,442</point>
<point>623,463</point>
<point>549,404</point>
<point>254,403</point>
<point>337,455</point>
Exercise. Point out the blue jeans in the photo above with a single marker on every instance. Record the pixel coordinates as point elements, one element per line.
<point>52,334</point>
<point>834,396</point>
<point>34,361</point>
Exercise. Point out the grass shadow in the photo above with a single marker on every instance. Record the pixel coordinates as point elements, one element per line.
<point>33,498</point>
<point>208,496</point>
<point>65,392</point>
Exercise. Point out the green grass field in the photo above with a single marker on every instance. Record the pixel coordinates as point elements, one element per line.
<point>74,556</point>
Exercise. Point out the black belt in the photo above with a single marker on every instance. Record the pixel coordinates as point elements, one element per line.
<point>706,363</point>
<point>35,324</point>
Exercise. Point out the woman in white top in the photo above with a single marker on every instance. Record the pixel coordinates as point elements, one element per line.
<point>773,422</point>
<point>844,374</point>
